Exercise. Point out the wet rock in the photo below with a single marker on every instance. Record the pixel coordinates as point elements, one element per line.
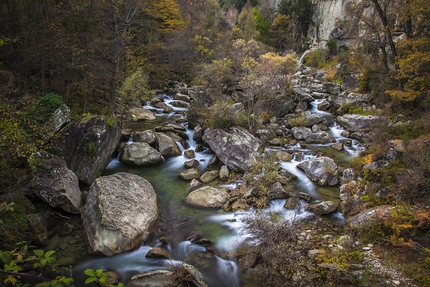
<point>322,208</point>
<point>207,196</point>
<point>194,184</point>
<point>237,149</point>
<point>208,176</point>
<point>140,154</point>
<point>140,114</point>
<point>224,173</point>
<point>322,170</point>
<point>306,197</point>
<point>158,252</point>
<point>66,229</point>
<point>189,153</point>
<point>118,213</point>
<point>323,106</point>
<point>356,123</point>
<point>147,136</point>
<point>55,184</point>
<point>276,192</point>
<point>191,163</point>
<point>284,156</point>
<point>292,203</point>
<point>189,174</point>
<point>87,144</point>
<point>166,145</point>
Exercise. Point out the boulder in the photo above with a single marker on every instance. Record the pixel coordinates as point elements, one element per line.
<point>140,114</point>
<point>237,149</point>
<point>322,208</point>
<point>158,252</point>
<point>39,225</point>
<point>207,196</point>
<point>310,119</point>
<point>87,144</point>
<point>300,133</point>
<point>276,192</point>
<point>284,156</point>
<point>189,174</point>
<point>166,145</point>
<point>357,123</point>
<point>322,170</point>
<point>208,176</point>
<point>139,154</point>
<point>277,108</point>
<point>323,106</point>
<point>292,203</point>
<point>147,136</point>
<point>191,163</point>
<point>118,213</point>
<point>373,216</point>
<point>189,153</point>
<point>331,88</point>
<point>58,119</point>
<point>320,137</point>
<point>163,278</point>
<point>55,184</point>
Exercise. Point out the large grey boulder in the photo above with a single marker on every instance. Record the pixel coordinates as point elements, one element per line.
<point>237,149</point>
<point>356,123</point>
<point>58,119</point>
<point>207,196</point>
<point>322,207</point>
<point>87,144</point>
<point>141,114</point>
<point>147,136</point>
<point>165,278</point>
<point>304,133</point>
<point>140,153</point>
<point>322,170</point>
<point>310,119</point>
<point>56,184</point>
<point>373,216</point>
<point>276,107</point>
<point>166,145</point>
<point>118,213</point>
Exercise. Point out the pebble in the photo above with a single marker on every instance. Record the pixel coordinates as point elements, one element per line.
<point>396,282</point>
<point>366,248</point>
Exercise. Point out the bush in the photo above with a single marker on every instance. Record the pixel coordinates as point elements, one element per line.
<point>221,116</point>
<point>44,108</point>
<point>349,108</point>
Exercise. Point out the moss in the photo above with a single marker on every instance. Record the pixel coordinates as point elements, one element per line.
<point>15,227</point>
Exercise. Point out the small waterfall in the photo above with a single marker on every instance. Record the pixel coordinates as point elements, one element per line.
<point>130,139</point>
<point>303,56</point>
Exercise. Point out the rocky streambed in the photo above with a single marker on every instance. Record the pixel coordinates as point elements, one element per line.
<point>179,192</point>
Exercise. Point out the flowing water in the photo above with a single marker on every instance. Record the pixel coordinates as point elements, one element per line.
<point>225,229</point>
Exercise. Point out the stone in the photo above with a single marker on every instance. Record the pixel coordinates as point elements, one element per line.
<point>66,229</point>
<point>58,119</point>
<point>322,170</point>
<point>237,149</point>
<point>147,136</point>
<point>345,241</point>
<point>189,153</point>
<point>224,173</point>
<point>55,184</point>
<point>275,142</point>
<point>118,213</point>
<point>140,154</point>
<point>357,123</point>
<point>337,146</point>
<point>194,184</point>
<point>208,176</point>
<point>189,174</point>
<point>292,203</point>
<point>141,114</point>
<point>322,208</point>
<point>323,106</point>
<point>182,97</point>
<point>158,252</point>
<point>191,163</point>
<point>372,216</point>
<point>284,156</point>
<point>166,145</point>
<point>207,196</point>
<point>275,107</point>
<point>276,192</point>
<point>87,144</point>
<point>39,226</point>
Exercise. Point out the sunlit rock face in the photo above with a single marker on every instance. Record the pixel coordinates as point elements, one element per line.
<point>118,213</point>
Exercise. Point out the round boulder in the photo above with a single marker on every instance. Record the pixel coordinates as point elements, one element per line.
<point>207,196</point>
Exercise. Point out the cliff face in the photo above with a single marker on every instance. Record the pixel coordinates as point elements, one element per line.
<point>332,19</point>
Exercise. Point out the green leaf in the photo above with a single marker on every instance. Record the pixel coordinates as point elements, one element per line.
<point>49,253</point>
<point>90,272</point>
<point>90,280</point>
<point>5,257</point>
<point>44,284</point>
<point>99,272</point>
<point>104,279</point>
<point>38,252</point>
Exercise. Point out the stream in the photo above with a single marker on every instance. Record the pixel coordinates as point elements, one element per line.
<point>225,229</point>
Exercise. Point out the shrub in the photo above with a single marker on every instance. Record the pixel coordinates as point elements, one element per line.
<point>265,172</point>
<point>221,116</point>
<point>44,108</point>
<point>349,108</point>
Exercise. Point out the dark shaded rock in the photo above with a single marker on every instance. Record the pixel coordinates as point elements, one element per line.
<point>158,252</point>
<point>39,225</point>
<point>191,163</point>
<point>189,153</point>
<point>276,107</point>
<point>87,144</point>
<point>292,203</point>
<point>55,184</point>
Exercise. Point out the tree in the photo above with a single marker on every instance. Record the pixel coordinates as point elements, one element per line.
<point>303,10</point>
